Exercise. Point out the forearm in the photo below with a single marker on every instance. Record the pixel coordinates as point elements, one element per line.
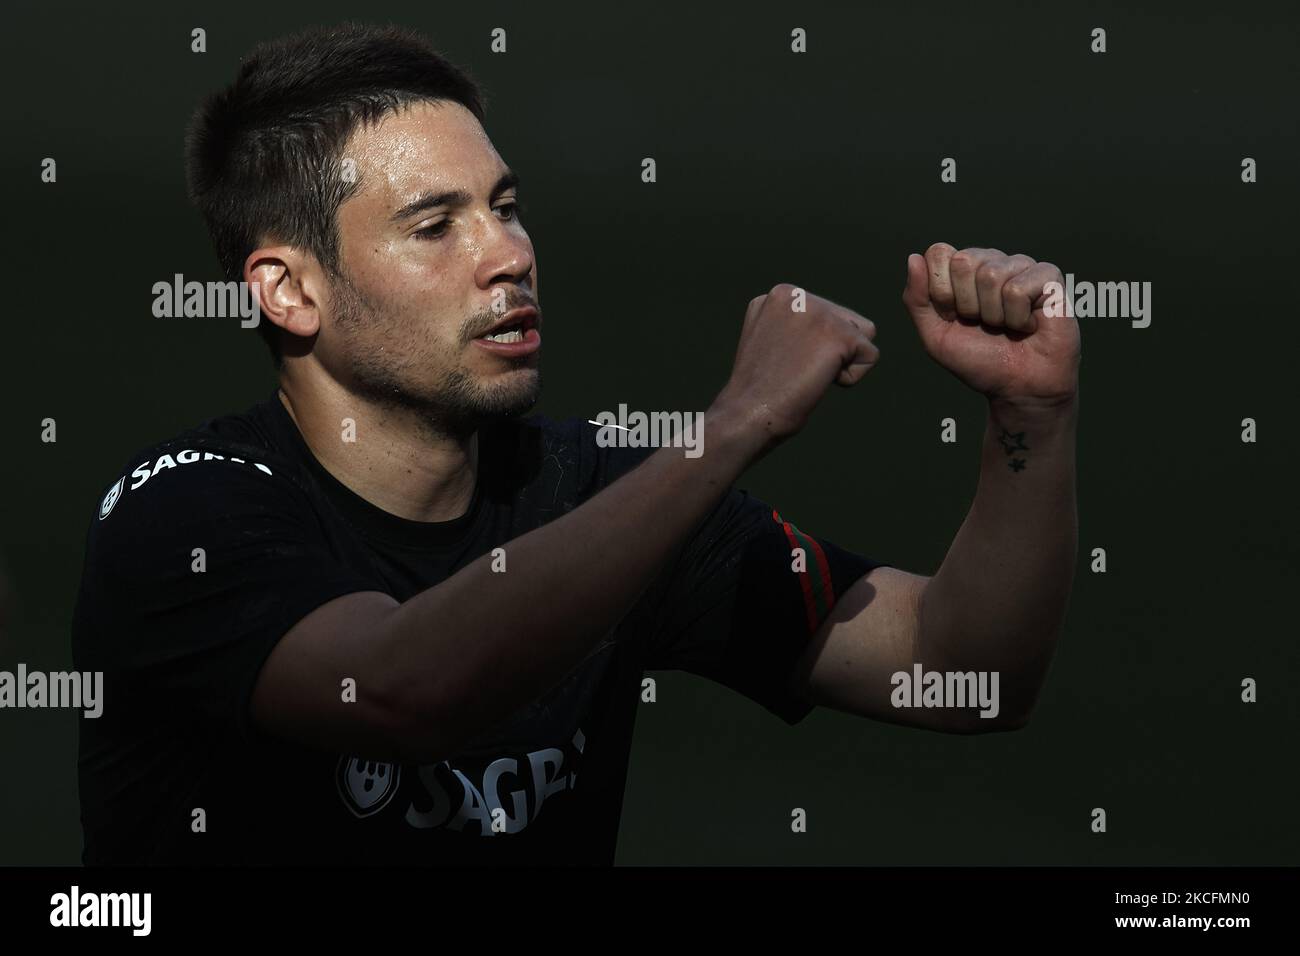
<point>482,643</point>
<point>997,603</point>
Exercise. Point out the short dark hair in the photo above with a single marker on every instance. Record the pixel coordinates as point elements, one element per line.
<point>262,156</point>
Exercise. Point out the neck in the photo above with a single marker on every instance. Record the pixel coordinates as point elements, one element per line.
<point>388,456</point>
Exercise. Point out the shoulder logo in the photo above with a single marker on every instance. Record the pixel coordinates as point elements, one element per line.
<point>110,498</point>
<point>366,786</point>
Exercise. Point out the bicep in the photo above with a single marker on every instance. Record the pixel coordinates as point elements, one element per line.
<point>869,636</point>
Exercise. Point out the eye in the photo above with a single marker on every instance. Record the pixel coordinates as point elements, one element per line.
<point>512,208</point>
<point>434,231</point>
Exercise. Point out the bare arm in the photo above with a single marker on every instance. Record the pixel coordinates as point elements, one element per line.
<point>448,663</point>
<point>997,602</point>
<point>451,660</point>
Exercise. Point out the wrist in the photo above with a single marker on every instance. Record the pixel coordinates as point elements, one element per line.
<point>738,429</point>
<point>1034,412</point>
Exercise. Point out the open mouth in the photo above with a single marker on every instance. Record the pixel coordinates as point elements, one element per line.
<point>513,326</point>
<point>510,335</point>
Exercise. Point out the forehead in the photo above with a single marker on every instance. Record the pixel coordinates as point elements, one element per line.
<point>424,146</point>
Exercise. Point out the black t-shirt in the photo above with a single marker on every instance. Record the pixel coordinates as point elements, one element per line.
<point>181,634</point>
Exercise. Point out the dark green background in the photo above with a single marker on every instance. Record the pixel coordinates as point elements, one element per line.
<point>822,170</point>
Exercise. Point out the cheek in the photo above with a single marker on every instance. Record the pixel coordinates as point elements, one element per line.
<point>417,293</point>
<point>392,284</point>
<point>393,264</point>
<point>418,316</point>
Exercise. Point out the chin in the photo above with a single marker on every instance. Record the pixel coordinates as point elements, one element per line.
<point>510,395</point>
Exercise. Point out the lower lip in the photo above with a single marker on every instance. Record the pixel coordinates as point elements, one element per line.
<point>531,342</point>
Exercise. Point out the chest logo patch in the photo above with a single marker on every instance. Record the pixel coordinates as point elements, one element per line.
<point>366,786</point>
<point>110,498</point>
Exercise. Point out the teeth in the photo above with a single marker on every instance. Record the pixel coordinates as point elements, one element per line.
<point>514,335</point>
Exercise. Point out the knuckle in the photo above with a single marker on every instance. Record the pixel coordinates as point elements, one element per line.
<point>963,261</point>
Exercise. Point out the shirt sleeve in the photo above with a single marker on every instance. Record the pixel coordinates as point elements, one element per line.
<point>740,604</point>
<point>196,564</point>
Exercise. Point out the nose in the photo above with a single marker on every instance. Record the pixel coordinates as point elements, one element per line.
<point>507,254</point>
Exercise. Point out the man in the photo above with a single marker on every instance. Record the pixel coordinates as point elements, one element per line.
<point>382,617</point>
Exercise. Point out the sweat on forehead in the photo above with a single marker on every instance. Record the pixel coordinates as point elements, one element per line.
<point>422,147</point>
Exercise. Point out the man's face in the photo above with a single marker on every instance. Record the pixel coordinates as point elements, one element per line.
<point>427,274</point>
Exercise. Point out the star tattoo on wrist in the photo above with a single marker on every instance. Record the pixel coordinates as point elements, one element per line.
<point>1013,442</point>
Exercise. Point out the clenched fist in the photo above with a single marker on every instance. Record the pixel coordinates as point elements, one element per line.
<point>980,315</point>
<point>793,346</point>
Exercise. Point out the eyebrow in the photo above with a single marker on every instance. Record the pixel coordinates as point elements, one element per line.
<point>454,197</point>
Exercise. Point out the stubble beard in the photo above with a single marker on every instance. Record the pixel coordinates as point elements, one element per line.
<point>455,404</point>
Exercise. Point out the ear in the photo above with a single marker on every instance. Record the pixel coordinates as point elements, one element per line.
<point>287,283</point>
